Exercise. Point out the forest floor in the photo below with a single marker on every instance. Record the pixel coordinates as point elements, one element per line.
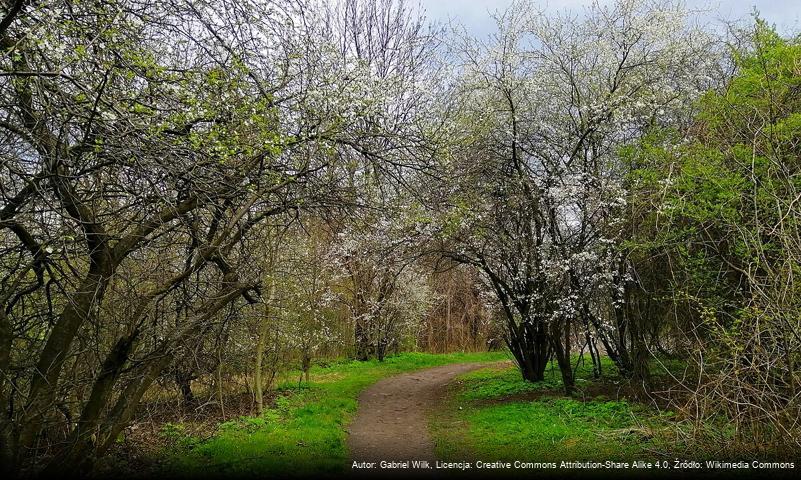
<point>492,414</point>
<point>452,407</point>
<point>303,432</point>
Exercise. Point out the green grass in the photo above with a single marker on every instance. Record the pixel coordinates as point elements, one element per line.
<point>494,383</point>
<point>495,415</point>
<point>305,432</point>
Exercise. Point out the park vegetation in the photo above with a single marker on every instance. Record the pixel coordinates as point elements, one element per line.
<point>197,197</point>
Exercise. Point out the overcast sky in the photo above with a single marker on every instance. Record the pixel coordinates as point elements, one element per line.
<point>473,14</point>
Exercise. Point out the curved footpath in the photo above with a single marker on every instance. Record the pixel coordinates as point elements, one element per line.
<point>391,422</point>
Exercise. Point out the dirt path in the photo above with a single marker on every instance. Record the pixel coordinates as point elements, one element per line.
<point>391,421</point>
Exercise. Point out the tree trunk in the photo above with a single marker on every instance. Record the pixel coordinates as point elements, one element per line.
<point>80,452</point>
<point>560,339</point>
<point>184,383</point>
<point>7,450</point>
<point>261,343</point>
<point>362,342</point>
<point>44,383</point>
<point>639,356</point>
<point>530,346</point>
<point>381,349</point>
<point>218,381</point>
<point>594,355</point>
<point>306,366</point>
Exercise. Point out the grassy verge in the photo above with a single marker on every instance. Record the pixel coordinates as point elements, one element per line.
<point>494,415</point>
<point>305,431</point>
